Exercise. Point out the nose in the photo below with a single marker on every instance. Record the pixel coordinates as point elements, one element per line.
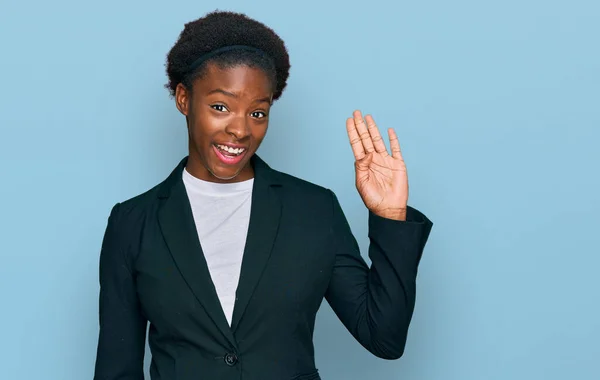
<point>238,127</point>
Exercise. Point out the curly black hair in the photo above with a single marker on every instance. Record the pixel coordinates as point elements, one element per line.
<point>219,29</point>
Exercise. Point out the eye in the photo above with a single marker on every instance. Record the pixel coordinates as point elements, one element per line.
<point>219,107</point>
<point>258,114</point>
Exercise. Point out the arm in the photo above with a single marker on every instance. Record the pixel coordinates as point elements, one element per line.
<point>121,343</point>
<point>376,304</point>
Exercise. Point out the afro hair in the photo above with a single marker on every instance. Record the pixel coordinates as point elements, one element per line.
<point>219,29</point>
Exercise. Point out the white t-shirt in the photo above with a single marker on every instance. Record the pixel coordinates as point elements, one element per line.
<point>222,214</point>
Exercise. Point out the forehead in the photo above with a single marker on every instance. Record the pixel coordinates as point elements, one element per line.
<point>237,79</point>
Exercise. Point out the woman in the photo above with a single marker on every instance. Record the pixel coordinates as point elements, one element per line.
<point>228,260</point>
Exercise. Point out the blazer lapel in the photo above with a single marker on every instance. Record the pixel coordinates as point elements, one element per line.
<point>178,227</point>
<point>264,223</point>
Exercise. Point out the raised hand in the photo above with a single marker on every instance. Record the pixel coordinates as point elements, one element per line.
<point>381,178</point>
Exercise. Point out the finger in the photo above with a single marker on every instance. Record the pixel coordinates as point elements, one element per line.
<point>363,165</point>
<point>394,144</point>
<point>362,171</point>
<point>375,135</point>
<point>355,143</point>
<point>363,132</point>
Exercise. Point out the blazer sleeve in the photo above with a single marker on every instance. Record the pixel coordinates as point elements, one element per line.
<point>376,304</point>
<point>122,337</point>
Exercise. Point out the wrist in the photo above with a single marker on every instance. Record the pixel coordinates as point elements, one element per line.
<point>393,214</point>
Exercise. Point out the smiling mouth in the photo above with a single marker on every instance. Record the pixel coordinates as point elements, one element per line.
<point>229,151</point>
<point>229,155</point>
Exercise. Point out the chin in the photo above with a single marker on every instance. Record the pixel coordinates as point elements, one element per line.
<point>223,169</point>
<point>227,172</point>
<point>224,175</point>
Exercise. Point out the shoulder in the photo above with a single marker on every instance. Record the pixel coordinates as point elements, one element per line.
<point>303,188</point>
<point>126,223</point>
<point>306,199</point>
<point>140,202</point>
<point>125,216</point>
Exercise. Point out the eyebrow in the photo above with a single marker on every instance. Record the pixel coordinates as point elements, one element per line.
<point>221,91</point>
<point>263,100</point>
<point>232,95</point>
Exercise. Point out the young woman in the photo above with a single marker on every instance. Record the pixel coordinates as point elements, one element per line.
<point>227,261</point>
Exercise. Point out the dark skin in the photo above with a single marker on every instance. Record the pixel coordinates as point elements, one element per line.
<point>231,107</point>
<point>225,107</point>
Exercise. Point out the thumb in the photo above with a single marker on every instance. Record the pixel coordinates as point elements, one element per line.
<point>364,163</point>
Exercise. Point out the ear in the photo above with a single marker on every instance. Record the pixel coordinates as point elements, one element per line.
<point>182,99</point>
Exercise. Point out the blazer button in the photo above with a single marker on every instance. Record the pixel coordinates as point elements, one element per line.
<point>230,359</point>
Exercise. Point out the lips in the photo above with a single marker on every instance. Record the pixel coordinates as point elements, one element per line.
<point>230,154</point>
<point>231,150</point>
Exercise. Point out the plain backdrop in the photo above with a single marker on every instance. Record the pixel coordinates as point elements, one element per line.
<point>497,106</point>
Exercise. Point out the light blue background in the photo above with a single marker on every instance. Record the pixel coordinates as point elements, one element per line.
<point>497,105</point>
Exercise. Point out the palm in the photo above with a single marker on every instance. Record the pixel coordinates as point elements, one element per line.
<point>381,178</point>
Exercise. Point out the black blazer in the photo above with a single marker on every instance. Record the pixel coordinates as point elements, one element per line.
<point>299,250</point>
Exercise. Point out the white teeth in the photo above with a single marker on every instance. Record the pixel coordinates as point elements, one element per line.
<point>231,150</point>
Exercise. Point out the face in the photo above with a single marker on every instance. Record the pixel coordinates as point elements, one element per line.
<point>227,113</point>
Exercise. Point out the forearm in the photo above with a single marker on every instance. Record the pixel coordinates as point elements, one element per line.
<point>376,304</point>
<point>121,341</point>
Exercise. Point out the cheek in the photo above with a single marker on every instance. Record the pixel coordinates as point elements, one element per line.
<point>202,124</point>
<point>260,131</point>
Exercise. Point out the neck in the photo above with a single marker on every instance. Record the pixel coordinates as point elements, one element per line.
<point>199,170</point>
